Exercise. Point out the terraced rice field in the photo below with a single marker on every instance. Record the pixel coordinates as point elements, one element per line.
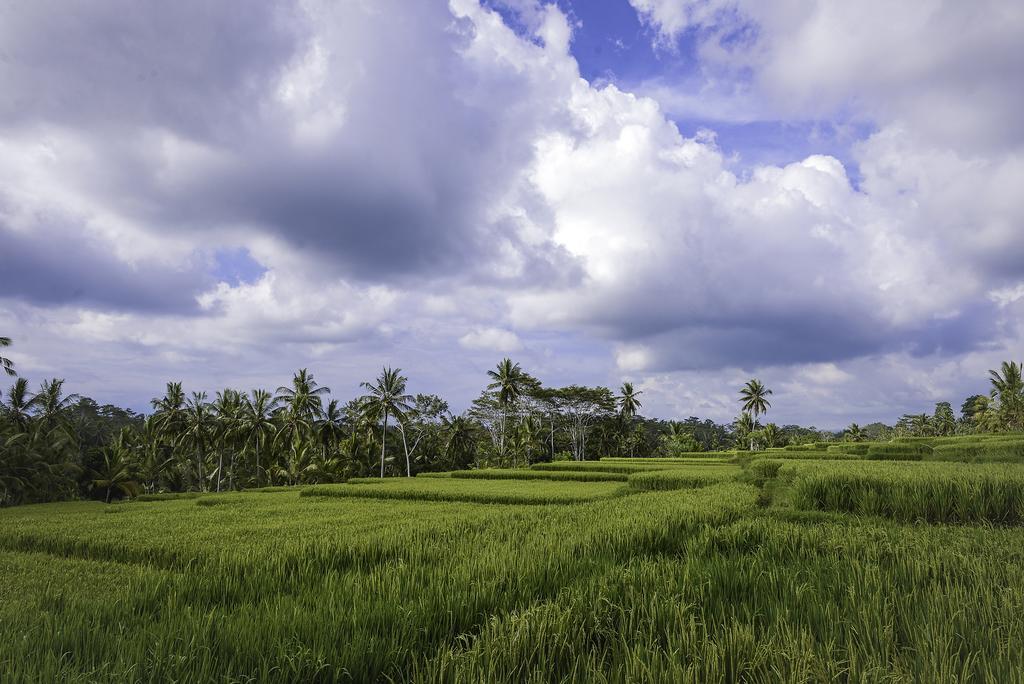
<point>683,573</point>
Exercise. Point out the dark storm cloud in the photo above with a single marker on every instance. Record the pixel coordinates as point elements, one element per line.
<point>192,66</point>
<point>400,189</point>
<point>61,266</point>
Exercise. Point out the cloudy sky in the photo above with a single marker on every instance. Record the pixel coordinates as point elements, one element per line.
<point>680,193</point>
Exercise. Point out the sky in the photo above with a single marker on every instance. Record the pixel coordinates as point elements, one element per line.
<point>683,194</point>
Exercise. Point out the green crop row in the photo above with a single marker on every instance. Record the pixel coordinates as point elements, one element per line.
<point>525,474</point>
<point>613,466</point>
<point>932,492</point>
<point>681,478</point>
<point>477,491</point>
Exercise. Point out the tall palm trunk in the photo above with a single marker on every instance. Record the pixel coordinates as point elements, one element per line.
<point>405,447</point>
<point>383,443</point>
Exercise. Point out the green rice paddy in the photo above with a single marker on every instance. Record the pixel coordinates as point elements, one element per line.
<point>796,570</point>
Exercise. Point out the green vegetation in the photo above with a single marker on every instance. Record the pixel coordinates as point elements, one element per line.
<point>681,478</point>
<point>523,474</point>
<point>685,585</point>
<point>500,552</point>
<point>906,491</point>
<point>479,491</point>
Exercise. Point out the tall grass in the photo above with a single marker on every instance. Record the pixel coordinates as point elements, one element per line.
<point>681,478</point>
<point>603,466</point>
<point>899,451</point>
<point>933,492</point>
<point>687,585</point>
<point>507,491</point>
<point>524,474</point>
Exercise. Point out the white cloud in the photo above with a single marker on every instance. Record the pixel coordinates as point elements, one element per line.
<point>491,339</point>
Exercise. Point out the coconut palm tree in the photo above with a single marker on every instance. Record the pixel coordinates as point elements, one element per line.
<point>772,435</point>
<point>508,381</point>
<point>50,402</point>
<point>460,444</point>
<point>628,405</point>
<point>384,399</point>
<point>628,402</point>
<point>116,473</point>
<point>169,414</point>
<point>304,399</point>
<point>257,425</point>
<point>198,429</point>
<point>330,430</point>
<point>754,399</point>
<point>745,427</point>
<point>19,404</point>
<point>854,433</point>
<point>1008,388</point>
<point>227,410</point>
<point>5,363</point>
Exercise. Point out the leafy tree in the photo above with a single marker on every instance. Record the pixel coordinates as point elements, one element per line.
<point>581,408</point>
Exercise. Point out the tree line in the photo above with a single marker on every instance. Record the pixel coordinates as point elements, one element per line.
<point>56,445</point>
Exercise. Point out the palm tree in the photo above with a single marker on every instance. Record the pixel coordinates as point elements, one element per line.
<point>51,404</point>
<point>116,472</point>
<point>5,363</point>
<point>628,405</point>
<point>628,402</point>
<point>330,429</point>
<point>460,444</point>
<point>257,424</point>
<point>509,381</point>
<point>772,435</point>
<point>169,414</point>
<point>854,433</point>
<point>19,405</point>
<point>745,427</point>
<point>753,397</point>
<point>227,409</point>
<point>199,424</point>
<point>304,399</point>
<point>1008,387</point>
<point>387,398</point>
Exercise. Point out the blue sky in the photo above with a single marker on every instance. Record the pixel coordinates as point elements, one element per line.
<point>678,193</point>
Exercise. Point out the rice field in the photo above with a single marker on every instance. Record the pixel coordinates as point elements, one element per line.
<point>796,570</point>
